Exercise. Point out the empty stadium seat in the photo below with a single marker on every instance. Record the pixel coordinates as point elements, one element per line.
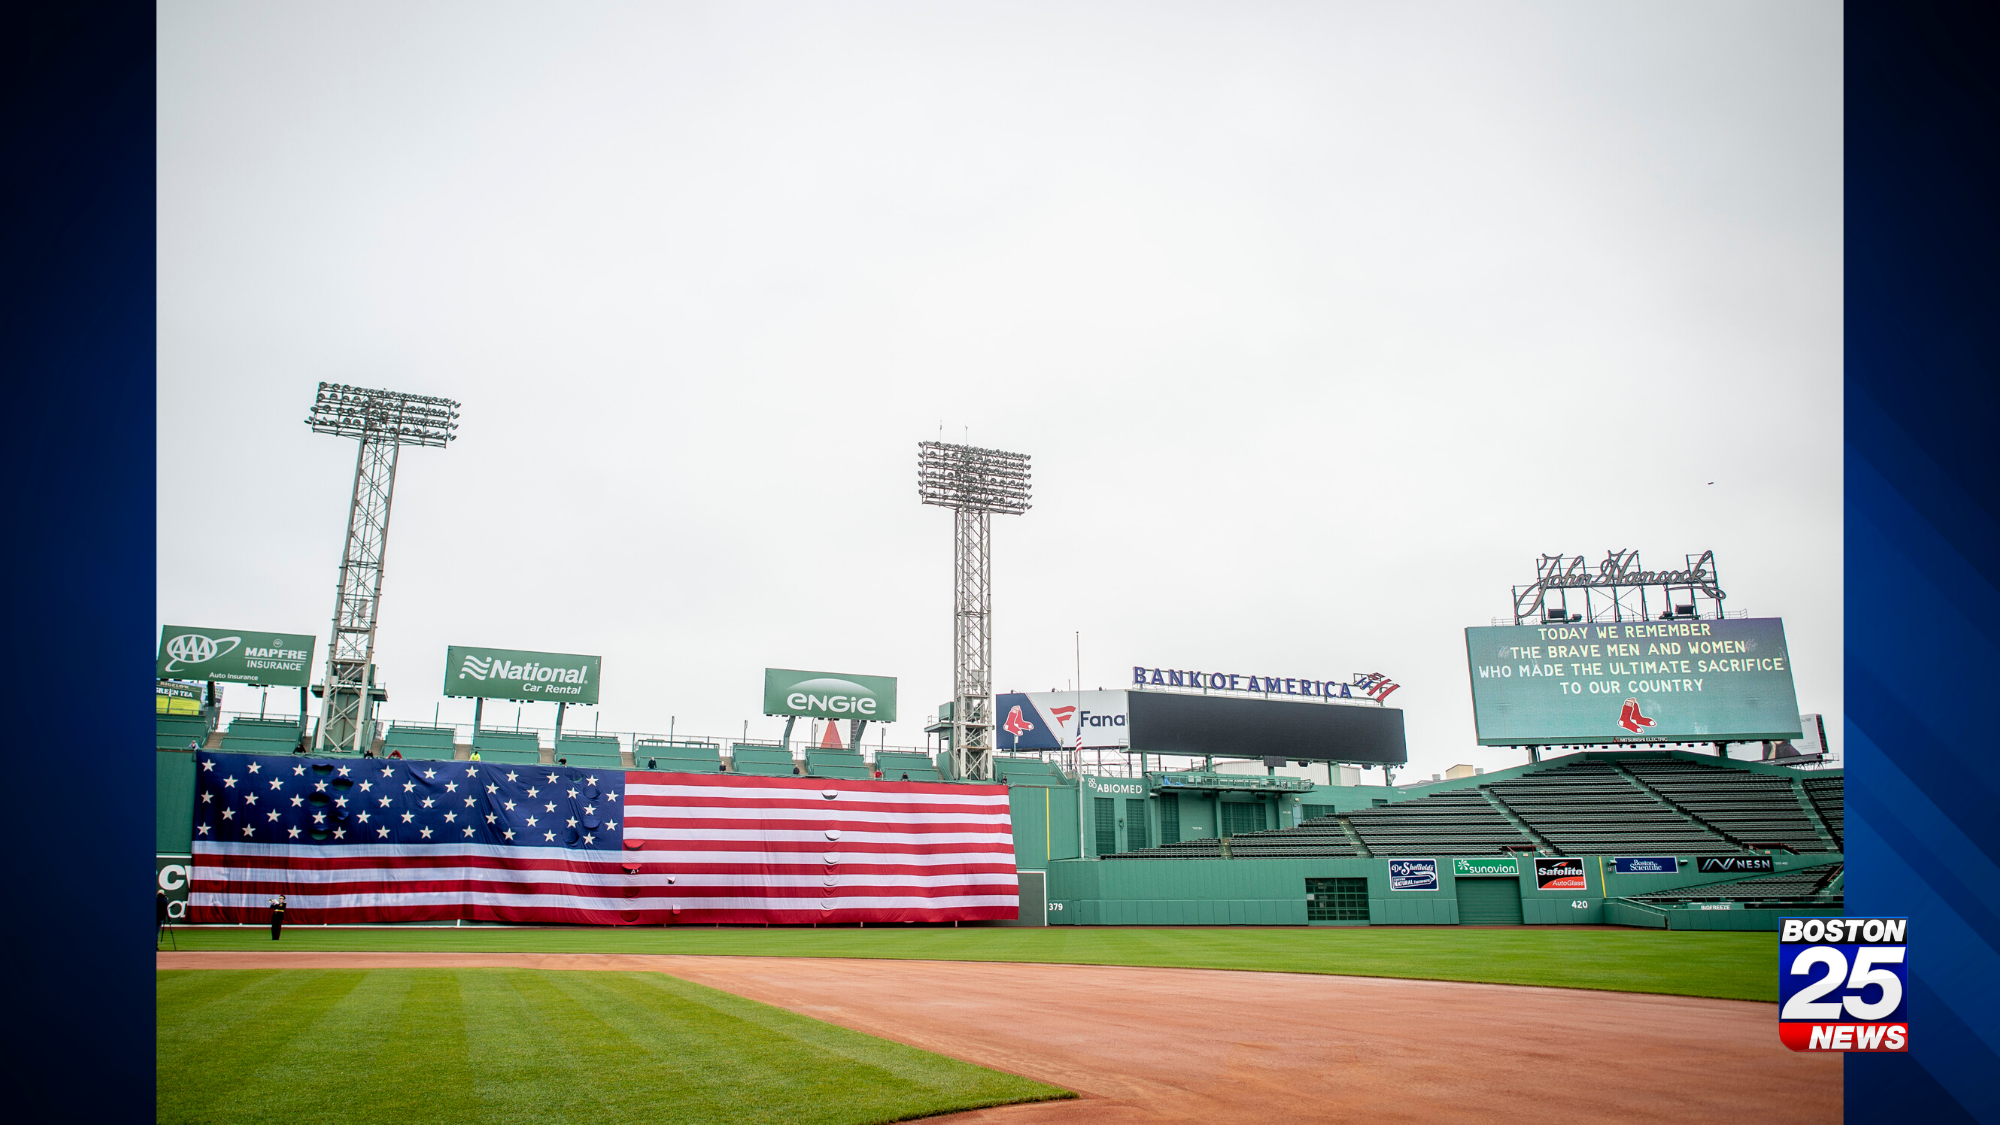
<point>1026,771</point>
<point>590,751</point>
<point>899,766</point>
<point>174,732</point>
<point>420,742</point>
<point>676,757</point>
<point>836,763</point>
<point>1741,805</point>
<point>762,761</point>
<point>513,747</point>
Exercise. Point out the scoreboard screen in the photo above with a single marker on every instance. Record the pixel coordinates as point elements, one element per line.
<point>1721,680</point>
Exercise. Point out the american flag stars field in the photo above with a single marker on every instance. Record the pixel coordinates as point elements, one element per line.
<point>384,840</point>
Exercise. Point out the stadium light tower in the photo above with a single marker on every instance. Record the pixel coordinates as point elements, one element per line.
<point>385,422</point>
<point>974,483</point>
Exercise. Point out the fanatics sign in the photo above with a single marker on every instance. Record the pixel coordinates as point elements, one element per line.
<point>1843,984</point>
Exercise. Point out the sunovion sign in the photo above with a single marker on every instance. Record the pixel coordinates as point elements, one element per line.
<point>235,656</point>
<point>1720,680</point>
<point>505,673</point>
<point>829,695</point>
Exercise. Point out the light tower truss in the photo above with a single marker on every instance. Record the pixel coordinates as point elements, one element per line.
<point>1566,589</point>
<point>382,422</point>
<point>974,483</point>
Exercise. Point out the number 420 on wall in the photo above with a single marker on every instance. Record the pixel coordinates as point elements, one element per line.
<point>1842,984</point>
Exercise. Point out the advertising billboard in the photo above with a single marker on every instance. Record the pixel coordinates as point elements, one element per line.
<point>178,699</point>
<point>829,695</point>
<point>515,674</point>
<point>1172,723</point>
<point>1722,680</point>
<point>235,656</point>
<point>1050,720</point>
<point>1564,873</point>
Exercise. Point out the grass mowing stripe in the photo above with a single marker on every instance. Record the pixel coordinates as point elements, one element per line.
<point>517,1045</point>
<point>1730,966</point>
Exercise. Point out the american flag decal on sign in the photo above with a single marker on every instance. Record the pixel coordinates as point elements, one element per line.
<point>373,840</point>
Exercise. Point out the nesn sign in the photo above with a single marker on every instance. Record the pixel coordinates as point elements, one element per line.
<point>1843,984</point>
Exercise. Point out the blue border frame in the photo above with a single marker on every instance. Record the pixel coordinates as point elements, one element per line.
<point>1923,541</point>
<point>79,340</point>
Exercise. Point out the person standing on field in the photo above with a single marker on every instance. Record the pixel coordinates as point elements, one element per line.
<point>277,916</point>
<point>159,916</point>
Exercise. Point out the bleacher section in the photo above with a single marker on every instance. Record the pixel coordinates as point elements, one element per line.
<point>836,763</point>
<point>517,747</point>
<point>1818,886</point>
<point>676,757</point>
<point>761,761</point>
<point>1827,795</point>
<point>1459,823</point>
<point>1586,805</point>
<point>910,767</point>
<point>1203,848</point>
<point>1318,837</point>
<point>419,743</point>
<point>590,751</point>
<point>1025,771</point>
<point>174,732</point>
<point>1590,808</point>
<point>1750,808</point>
<point>261,736</point>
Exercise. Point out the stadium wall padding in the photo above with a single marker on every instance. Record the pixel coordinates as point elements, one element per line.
<point>173,801</point>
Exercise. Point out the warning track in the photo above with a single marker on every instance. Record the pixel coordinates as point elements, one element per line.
<point>1218,1046</point>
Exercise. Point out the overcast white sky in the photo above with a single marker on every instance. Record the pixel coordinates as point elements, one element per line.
<point>1321,322</point>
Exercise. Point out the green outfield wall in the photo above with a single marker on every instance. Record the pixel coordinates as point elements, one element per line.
<point>1272,892</point>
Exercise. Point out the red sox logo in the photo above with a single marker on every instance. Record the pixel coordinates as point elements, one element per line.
<point>1631,719</point>
<point>1015,724</point>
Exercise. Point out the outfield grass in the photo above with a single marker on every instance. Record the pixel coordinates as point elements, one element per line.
<point>1731,966</point>
<point>512,1045</point>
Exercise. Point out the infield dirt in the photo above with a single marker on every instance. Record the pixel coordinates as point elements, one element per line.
<point>1209,1046</point>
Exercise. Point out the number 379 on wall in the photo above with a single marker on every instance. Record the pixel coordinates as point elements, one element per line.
<point>1842,984</point>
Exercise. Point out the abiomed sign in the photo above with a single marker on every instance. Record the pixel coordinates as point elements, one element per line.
<point>829,695</point>
<point>235,656</point>
<point>505,673</point>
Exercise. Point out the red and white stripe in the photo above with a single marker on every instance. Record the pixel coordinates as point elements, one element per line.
<point>741,849</point>
<point>698,848</point>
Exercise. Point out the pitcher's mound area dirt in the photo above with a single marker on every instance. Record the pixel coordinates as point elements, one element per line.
<point>1214,1047</point>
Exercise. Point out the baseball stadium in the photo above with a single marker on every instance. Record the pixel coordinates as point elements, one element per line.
<point>1173,901</point>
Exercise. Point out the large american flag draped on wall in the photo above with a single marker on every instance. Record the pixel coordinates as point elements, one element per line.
<point>386,840</point>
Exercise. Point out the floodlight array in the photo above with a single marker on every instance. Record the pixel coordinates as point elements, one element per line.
<point>967,478</point>
<point>362,412</point>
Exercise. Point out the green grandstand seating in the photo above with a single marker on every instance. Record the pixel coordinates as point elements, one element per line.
<point>913,767</point>
<point>1827,796</point>
<point>761,761</point>
<point>1744,806</point>
<point>836,763</point>
<point>1026,771</point>
<point>1805,886</point>
<point>513,747</point>
<point>422,743</point>
<point>1590,808</point>
<point>676,757</point>
<point>174,732</point>
<point>1462,822</point>
<point>261,736</point>
<point>590,751</point>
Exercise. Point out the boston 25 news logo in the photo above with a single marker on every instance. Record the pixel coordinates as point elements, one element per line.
<point>1842,984</point>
